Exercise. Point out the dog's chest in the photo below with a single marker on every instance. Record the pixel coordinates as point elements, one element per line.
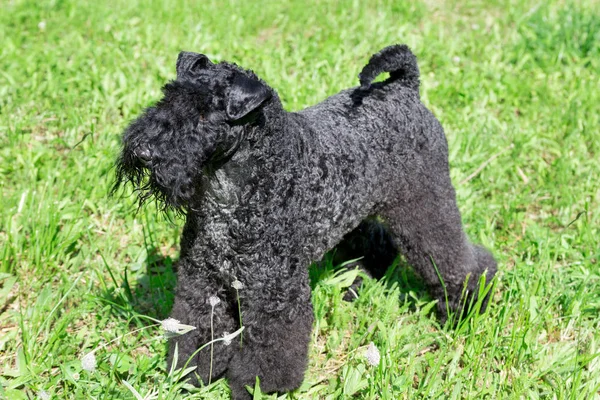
<point>222,191</point>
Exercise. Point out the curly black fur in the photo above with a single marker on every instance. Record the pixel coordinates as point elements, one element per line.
<point>266,192</point>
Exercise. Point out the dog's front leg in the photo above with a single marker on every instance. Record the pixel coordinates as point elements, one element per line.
<point>202,301</point>
<point>278,322</point>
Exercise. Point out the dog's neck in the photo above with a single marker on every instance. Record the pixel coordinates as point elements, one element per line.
<point>272,115</point>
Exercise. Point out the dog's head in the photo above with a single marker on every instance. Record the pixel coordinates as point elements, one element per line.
<point>196,127</point>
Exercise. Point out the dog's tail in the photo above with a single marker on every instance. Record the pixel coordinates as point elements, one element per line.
<point>399,61</point>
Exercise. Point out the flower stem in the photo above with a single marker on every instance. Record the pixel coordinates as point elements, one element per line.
<point>212,338</point>
<point>240,314</point>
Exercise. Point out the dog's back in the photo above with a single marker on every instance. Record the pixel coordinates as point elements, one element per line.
<point>387,117</point>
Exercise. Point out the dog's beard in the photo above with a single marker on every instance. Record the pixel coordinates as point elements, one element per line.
<point>146,187</point>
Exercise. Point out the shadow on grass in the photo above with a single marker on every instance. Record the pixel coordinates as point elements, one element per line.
<point>371,249</point>
<point>154,289</point>
<point>399,274</point>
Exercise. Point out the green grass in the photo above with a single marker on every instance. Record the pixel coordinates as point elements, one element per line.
<point>516,86</point>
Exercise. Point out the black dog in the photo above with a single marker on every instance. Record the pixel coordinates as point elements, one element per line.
<point>265,192</point>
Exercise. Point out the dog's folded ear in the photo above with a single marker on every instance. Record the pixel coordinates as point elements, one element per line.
<point>188,62</point>
<point>245,95</point>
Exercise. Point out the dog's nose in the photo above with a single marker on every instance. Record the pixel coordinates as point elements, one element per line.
<point>144,155</point>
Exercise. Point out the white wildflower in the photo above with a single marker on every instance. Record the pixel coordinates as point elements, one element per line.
<point>226,339</point>
<point>213,300</point>
<point>372,355</point>
<point>88,362</point>
<point>170,325</point>
<point>237,285</point>
<point>456,59</point>
<point>173,327</point>
<point>76,376</point>
<point>42,25</point>
<point>43,395</point>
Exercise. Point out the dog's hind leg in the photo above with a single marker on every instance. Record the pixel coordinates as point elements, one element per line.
<point>427,229</point>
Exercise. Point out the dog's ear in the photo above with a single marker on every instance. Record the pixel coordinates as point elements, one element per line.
<point>245,95</point>
<point>188,62</point>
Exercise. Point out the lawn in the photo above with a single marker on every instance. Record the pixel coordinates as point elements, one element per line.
<point>516,84</point>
